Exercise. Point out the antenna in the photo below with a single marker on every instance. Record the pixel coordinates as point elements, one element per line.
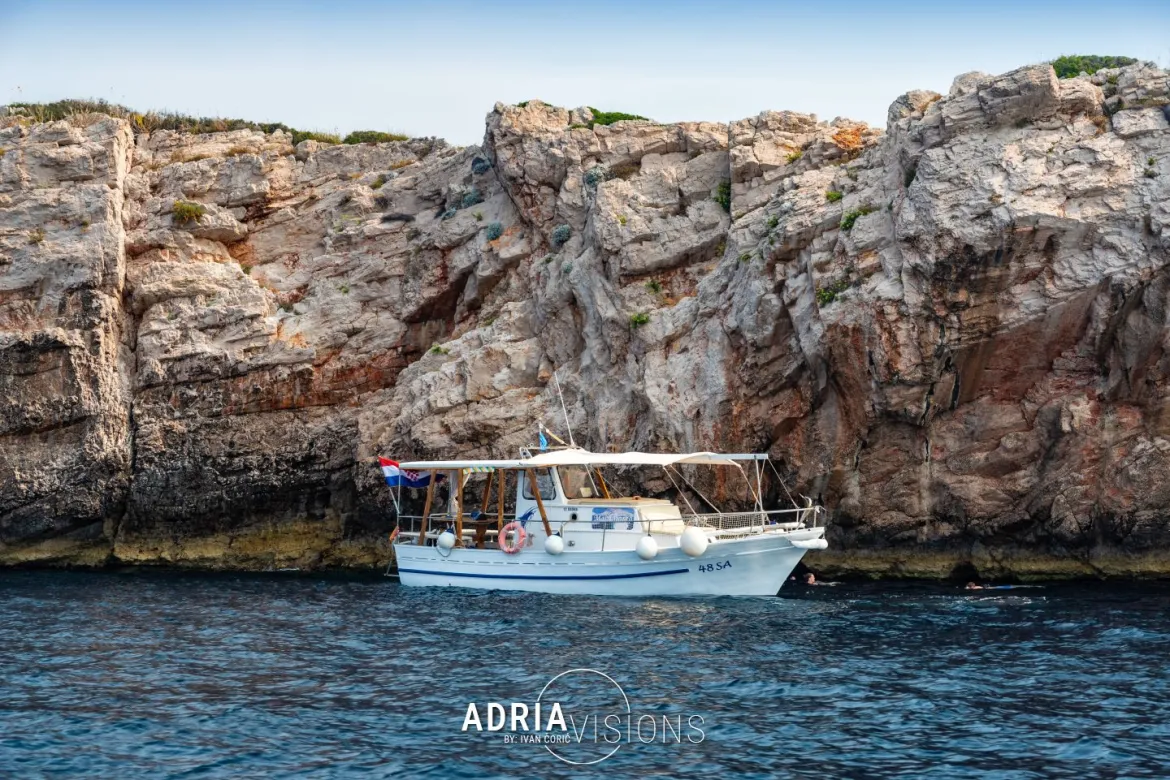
<point>564,411</point>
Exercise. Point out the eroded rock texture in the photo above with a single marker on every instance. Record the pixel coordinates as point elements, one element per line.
<point>955,332</point>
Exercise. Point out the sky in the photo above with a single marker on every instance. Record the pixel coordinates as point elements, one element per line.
<point>436,69</point>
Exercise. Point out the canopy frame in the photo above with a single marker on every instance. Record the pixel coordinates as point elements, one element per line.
<point>572,456</point>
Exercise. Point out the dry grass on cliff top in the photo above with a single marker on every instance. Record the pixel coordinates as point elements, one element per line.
<point>82,111</point>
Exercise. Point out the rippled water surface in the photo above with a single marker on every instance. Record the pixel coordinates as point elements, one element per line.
<point>156,675</point>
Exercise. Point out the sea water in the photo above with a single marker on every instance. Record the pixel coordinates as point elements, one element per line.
<point>178,675</point>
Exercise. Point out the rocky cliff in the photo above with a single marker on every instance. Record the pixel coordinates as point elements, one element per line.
<point>956,331</point>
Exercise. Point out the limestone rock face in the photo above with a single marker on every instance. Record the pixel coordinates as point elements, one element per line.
<point>955,332</point>
<point>65,359</point>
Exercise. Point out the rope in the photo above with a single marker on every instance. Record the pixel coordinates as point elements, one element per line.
<point>698,492</point>
<point>564,411</point>
<point>780,479</point>
<point>681,494</point>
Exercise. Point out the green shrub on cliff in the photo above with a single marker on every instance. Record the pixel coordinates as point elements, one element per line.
<point>852,216</point>
<point>1072,65</point>
<point>373,137</point>
<point>829,293</point>
<point>609,117</point>
<point>470,198</point>
<point>184,211</point>
<point>723,195</point>
<point>321,138</point>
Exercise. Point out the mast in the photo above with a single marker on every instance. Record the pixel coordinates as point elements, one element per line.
<point>500,506</point>
<point>459,509</point>
<point>539,502</point>
<point>426,518</point>
<point>481,523</point>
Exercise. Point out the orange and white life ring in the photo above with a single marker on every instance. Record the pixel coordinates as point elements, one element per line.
<point>518,540</point>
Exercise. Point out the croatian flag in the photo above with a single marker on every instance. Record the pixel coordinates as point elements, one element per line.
<point>398,477</point>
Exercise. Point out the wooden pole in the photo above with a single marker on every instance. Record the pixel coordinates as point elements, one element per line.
<point>500,507</point>
<point>426,518</point>
<point>459,514</point>
<point>487,496</point>
<point>539,503</point>
<point>601,479</point>
<point>481,523</point>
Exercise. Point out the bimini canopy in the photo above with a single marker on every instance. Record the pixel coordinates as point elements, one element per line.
<point>477,465</point>
<point>578,457</point>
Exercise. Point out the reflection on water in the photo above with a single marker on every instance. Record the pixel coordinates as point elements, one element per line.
<point>167,675</point>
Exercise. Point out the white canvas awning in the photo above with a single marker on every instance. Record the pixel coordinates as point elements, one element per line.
<point>448,465</point>
<point>576,457</point>
<point>579,457</point>
<point>584,457</point>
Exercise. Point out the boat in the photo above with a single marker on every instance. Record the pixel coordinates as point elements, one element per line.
<point>566,532</point>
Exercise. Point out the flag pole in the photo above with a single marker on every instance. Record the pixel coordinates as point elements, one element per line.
<point>395,496</point>
<point>545,429</point>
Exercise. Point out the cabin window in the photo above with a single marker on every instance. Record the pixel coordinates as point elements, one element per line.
<point>576,482</point>
<point>545,481</point>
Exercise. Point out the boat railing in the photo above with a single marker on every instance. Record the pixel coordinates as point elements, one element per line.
<point>410,525</point>
<point>755,522</point>
<point>719,524</point>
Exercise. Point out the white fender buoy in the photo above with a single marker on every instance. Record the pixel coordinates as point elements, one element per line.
<point>446,541</point>
<point>647,548</point>
<point>693,542</point>
<point>554,545</point>
<point>810,544</point>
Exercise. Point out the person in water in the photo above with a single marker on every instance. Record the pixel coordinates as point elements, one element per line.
<point>811,579</point>
<point>974,586</point>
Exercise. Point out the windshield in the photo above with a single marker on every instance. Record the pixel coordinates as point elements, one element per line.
<point>545,481</point>
<point>577,482</point>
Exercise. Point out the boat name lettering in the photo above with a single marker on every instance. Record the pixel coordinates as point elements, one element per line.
<point>609,517</point>
<point>717,566</point>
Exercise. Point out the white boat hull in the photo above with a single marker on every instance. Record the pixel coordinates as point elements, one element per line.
<point>752,566</point>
